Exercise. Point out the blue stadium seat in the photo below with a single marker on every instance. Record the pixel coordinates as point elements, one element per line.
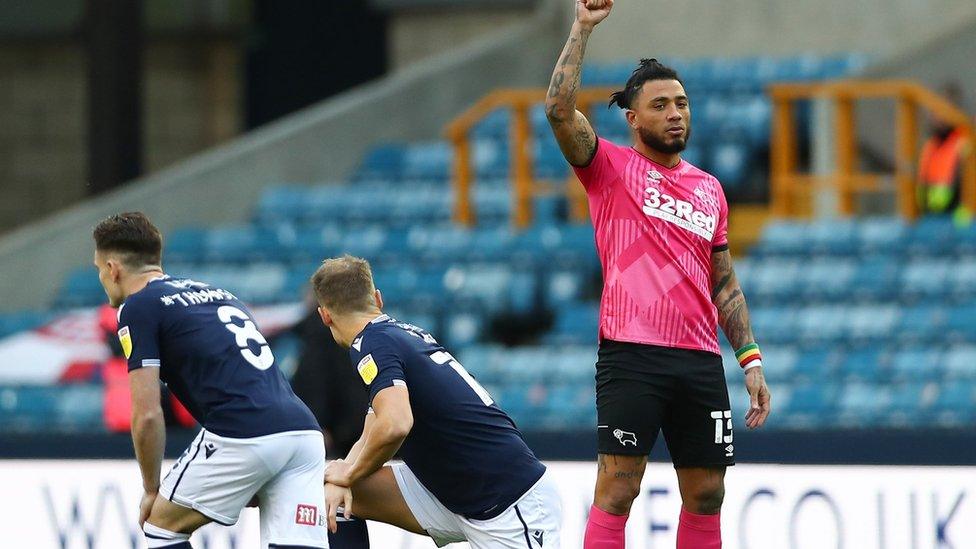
<point>865,364</point>
<point>877,278</point>
<point>915,363</point>
<point>871,323</point>
<point>810,404</point>
<point>827,279</point>
<point>12,323</point>
<point>81,289</point>
<point>956,404</point>
<point>576,324</point>
<point>960,362</point>
<point>911,403</point>
<point>430,161</point>
<point>817,363</point>
<point>932,236</point>
<point>961,323</point>
<point>881,235</point>
<point>863,404</point>
<point>921,323</point>
<point>494,126</point>
<point>926,278</point>
<point>382,162</point>
<point>242,244</point>
<point>783,238</point>
<point>962,278</point>
<point>729,162</point>
<point>184,245</point>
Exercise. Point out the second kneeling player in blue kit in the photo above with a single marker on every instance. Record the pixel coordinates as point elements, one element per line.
<point>466,475</point>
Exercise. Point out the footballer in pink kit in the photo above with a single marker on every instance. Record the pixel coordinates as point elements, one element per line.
<point>661,229</point>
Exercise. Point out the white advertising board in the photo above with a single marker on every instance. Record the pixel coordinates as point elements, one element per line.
<point>93,505</point>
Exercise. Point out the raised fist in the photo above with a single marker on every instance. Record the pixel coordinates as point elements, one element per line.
<point>591,12</point>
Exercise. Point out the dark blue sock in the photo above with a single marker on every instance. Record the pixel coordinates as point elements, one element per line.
<point>351,534</point>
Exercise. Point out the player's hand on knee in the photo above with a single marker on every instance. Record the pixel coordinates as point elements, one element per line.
<point>337,497</point>
<point>145,506</point>
<point>337,473</point>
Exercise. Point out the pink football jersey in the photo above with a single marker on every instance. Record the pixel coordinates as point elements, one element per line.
<point>656,229</point>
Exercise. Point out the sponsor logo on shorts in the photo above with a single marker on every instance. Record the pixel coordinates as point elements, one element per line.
<point>307,515</point>
<point>625,437</point>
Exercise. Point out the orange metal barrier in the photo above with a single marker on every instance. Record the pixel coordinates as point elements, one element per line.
<point>790,187</point>
<point>520,143</point>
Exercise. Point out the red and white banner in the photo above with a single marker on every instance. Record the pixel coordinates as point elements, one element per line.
<point>43,356</point>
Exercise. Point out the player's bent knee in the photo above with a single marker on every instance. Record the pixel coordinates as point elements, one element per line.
<point>157,537</point>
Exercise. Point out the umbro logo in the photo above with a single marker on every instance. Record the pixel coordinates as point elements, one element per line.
<point>625,437</point>
<point>210,448</point>
<point>654,175</point>
<point>728,450</point>
<point>537,535</point>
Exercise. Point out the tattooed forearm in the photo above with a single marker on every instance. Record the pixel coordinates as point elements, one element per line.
<point>561,99</point>
<point>733,314</point>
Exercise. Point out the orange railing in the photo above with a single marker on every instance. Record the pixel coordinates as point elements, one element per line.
<point>520,143</point>
<point>791,189</point>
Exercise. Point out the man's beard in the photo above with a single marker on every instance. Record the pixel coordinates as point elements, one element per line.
<point>659,145</point>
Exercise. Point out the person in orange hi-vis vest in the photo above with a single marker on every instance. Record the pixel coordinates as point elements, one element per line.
<point>941,164</point>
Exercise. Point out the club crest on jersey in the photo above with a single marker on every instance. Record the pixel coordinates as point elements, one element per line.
<point>367,369</point>
<point>678,212</point>
<point>126,340</point>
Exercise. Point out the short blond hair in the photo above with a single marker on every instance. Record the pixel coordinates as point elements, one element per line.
<point>345,285</point>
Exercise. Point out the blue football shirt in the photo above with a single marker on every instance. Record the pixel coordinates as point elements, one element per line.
<point>462,447</point>
<point>212,356</point>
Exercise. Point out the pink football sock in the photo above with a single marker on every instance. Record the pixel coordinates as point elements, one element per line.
<point>699,531</point>
<point>604,530</point>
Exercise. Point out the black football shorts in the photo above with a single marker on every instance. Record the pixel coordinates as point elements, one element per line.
<point>641,389</point>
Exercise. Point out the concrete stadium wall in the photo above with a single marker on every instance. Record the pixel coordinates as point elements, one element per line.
<point>321,143</point>
<point>191,102</point>
<point>772,27</point>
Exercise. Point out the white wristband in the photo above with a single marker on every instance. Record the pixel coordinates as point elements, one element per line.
<point>756,363</point>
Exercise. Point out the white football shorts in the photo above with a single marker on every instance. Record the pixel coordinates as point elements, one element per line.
<point>532,522</point>
<point>217,476</point>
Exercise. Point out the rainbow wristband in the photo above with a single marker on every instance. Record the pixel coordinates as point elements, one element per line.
<point>749,356</point>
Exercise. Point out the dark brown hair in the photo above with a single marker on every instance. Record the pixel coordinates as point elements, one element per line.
<point>649,69</point>
<point>132,235</point>
<point>344,285</point>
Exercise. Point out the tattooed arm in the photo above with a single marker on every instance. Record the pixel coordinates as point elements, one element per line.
<point>733,317</point>
<point>573,131</point>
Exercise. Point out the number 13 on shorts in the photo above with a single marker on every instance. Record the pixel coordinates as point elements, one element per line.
<point>723,425</point>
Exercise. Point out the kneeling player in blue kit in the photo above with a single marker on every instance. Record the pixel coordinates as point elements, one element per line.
<point>466,475</point>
